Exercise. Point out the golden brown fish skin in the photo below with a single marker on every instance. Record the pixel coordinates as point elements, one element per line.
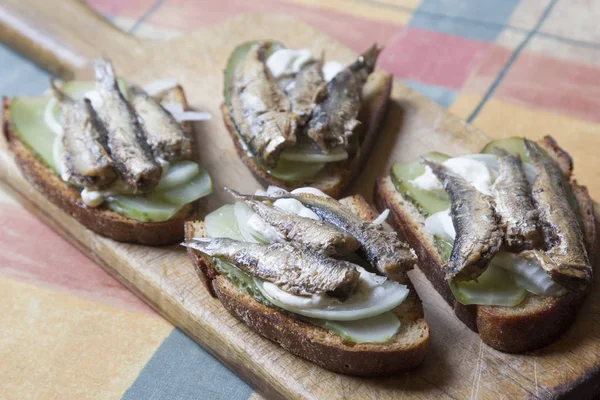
<point>382,250</point>
<point>165,136</point>
<point>562,234</point>
<point>304,91</point>
<point>295,270</point>
<point>514,205</point>
<point>85,161</point>
<point>260,109</point>
<point>478,232</point>
<point>126,139</point>
<point>335,116</point>
<point>315,235</point>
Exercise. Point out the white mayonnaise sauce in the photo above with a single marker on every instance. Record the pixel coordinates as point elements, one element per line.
<point>288,62</point>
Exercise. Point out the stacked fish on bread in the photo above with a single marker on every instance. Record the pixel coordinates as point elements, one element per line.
<point>297,120</point>
<point>337,275</point>
<point>117,158</point>
<point>505,236</point>
<point>111,145</point>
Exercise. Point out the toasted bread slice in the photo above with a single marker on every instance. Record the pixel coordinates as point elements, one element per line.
<point>538,320</point>
<point>335,176</point>
<point>404,351</point>
<point>100,220</point>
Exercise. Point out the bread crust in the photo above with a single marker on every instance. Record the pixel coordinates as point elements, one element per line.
<point>100,220</point>
<point>405,351</point>
<point>334,178</point>
<point>535,323</point>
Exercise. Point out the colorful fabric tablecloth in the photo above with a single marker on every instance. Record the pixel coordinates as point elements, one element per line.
<point>510,67</point>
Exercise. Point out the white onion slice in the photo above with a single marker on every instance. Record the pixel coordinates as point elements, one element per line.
<point>191,116</point>
<point>382,217</point>
<point>371,298</point>
<point>50,118</point>
<point>172,107</point>
<point>159,85</point>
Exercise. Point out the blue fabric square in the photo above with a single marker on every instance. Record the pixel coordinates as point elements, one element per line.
<point>180,369</point>
<point>441,95</point>
<point>20,77</point>
<point>472,19</point>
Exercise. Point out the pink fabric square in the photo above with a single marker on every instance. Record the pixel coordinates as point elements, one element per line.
<point>431,57</point>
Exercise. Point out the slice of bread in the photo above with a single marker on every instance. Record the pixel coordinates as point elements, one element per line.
<point>538,320</point>
<point>100,220</point>
<point>333,179</point>
<point>328,350</point>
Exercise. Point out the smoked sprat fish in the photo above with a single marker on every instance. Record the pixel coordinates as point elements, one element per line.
<point>335,117</point>
<point>562,234</point>
<point>260,109</point>
<point>126,140</point>
<point>477,226</point>
<point>84,159</point>
<point>294,270</point>
<point>315,235</point>
<point>165,136</point>
<point>514,205</point>
<point>383,250</point>
<point>305,89</point>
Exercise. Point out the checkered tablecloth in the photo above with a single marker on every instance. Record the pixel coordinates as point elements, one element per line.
<point>510,67</point>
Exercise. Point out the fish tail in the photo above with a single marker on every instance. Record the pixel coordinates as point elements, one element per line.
<point>105,74</point>
<point>200,244</point>
<point>534,152</point>
<point>367,59</point>
<point>503,153</point>
<point>60,96</point>
<point>236,195</point>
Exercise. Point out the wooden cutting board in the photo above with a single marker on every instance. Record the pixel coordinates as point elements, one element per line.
<point>64,36</point>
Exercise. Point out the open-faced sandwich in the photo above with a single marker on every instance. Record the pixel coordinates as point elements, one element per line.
<point>320,277</point>
<point>505,236</point>
<point>118,158</point>
<point>297,120</point>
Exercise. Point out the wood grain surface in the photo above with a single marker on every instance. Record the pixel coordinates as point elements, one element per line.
<point>64,36</point>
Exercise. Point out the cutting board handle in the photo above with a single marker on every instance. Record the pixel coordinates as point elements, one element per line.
<point>62,36</point>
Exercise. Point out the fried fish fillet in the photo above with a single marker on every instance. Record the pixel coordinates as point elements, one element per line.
<point>295,270</point>
<point>126,140</point>
<point>165,136</point>
<point>334,118</point>
<point>315,235</point>
<point>383,250</point>
<point>84,160</point>
<point>562,234</point>
<point>260,109</point>
<point>478,232</point>
<point>514,205</point>
<point>303,93</point>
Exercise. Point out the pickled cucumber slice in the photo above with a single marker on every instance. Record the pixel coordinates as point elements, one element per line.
<point>295,170</point>
<point>197,187</point>
<point>309,155</point>
<point>142,208</point>
<point>514,145</point>
<point>377,329</point>
<point>178,174</point>
<point>27,122</point>
<point>493,288</point>
<point>428,202</point>
<point>222,223</point>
